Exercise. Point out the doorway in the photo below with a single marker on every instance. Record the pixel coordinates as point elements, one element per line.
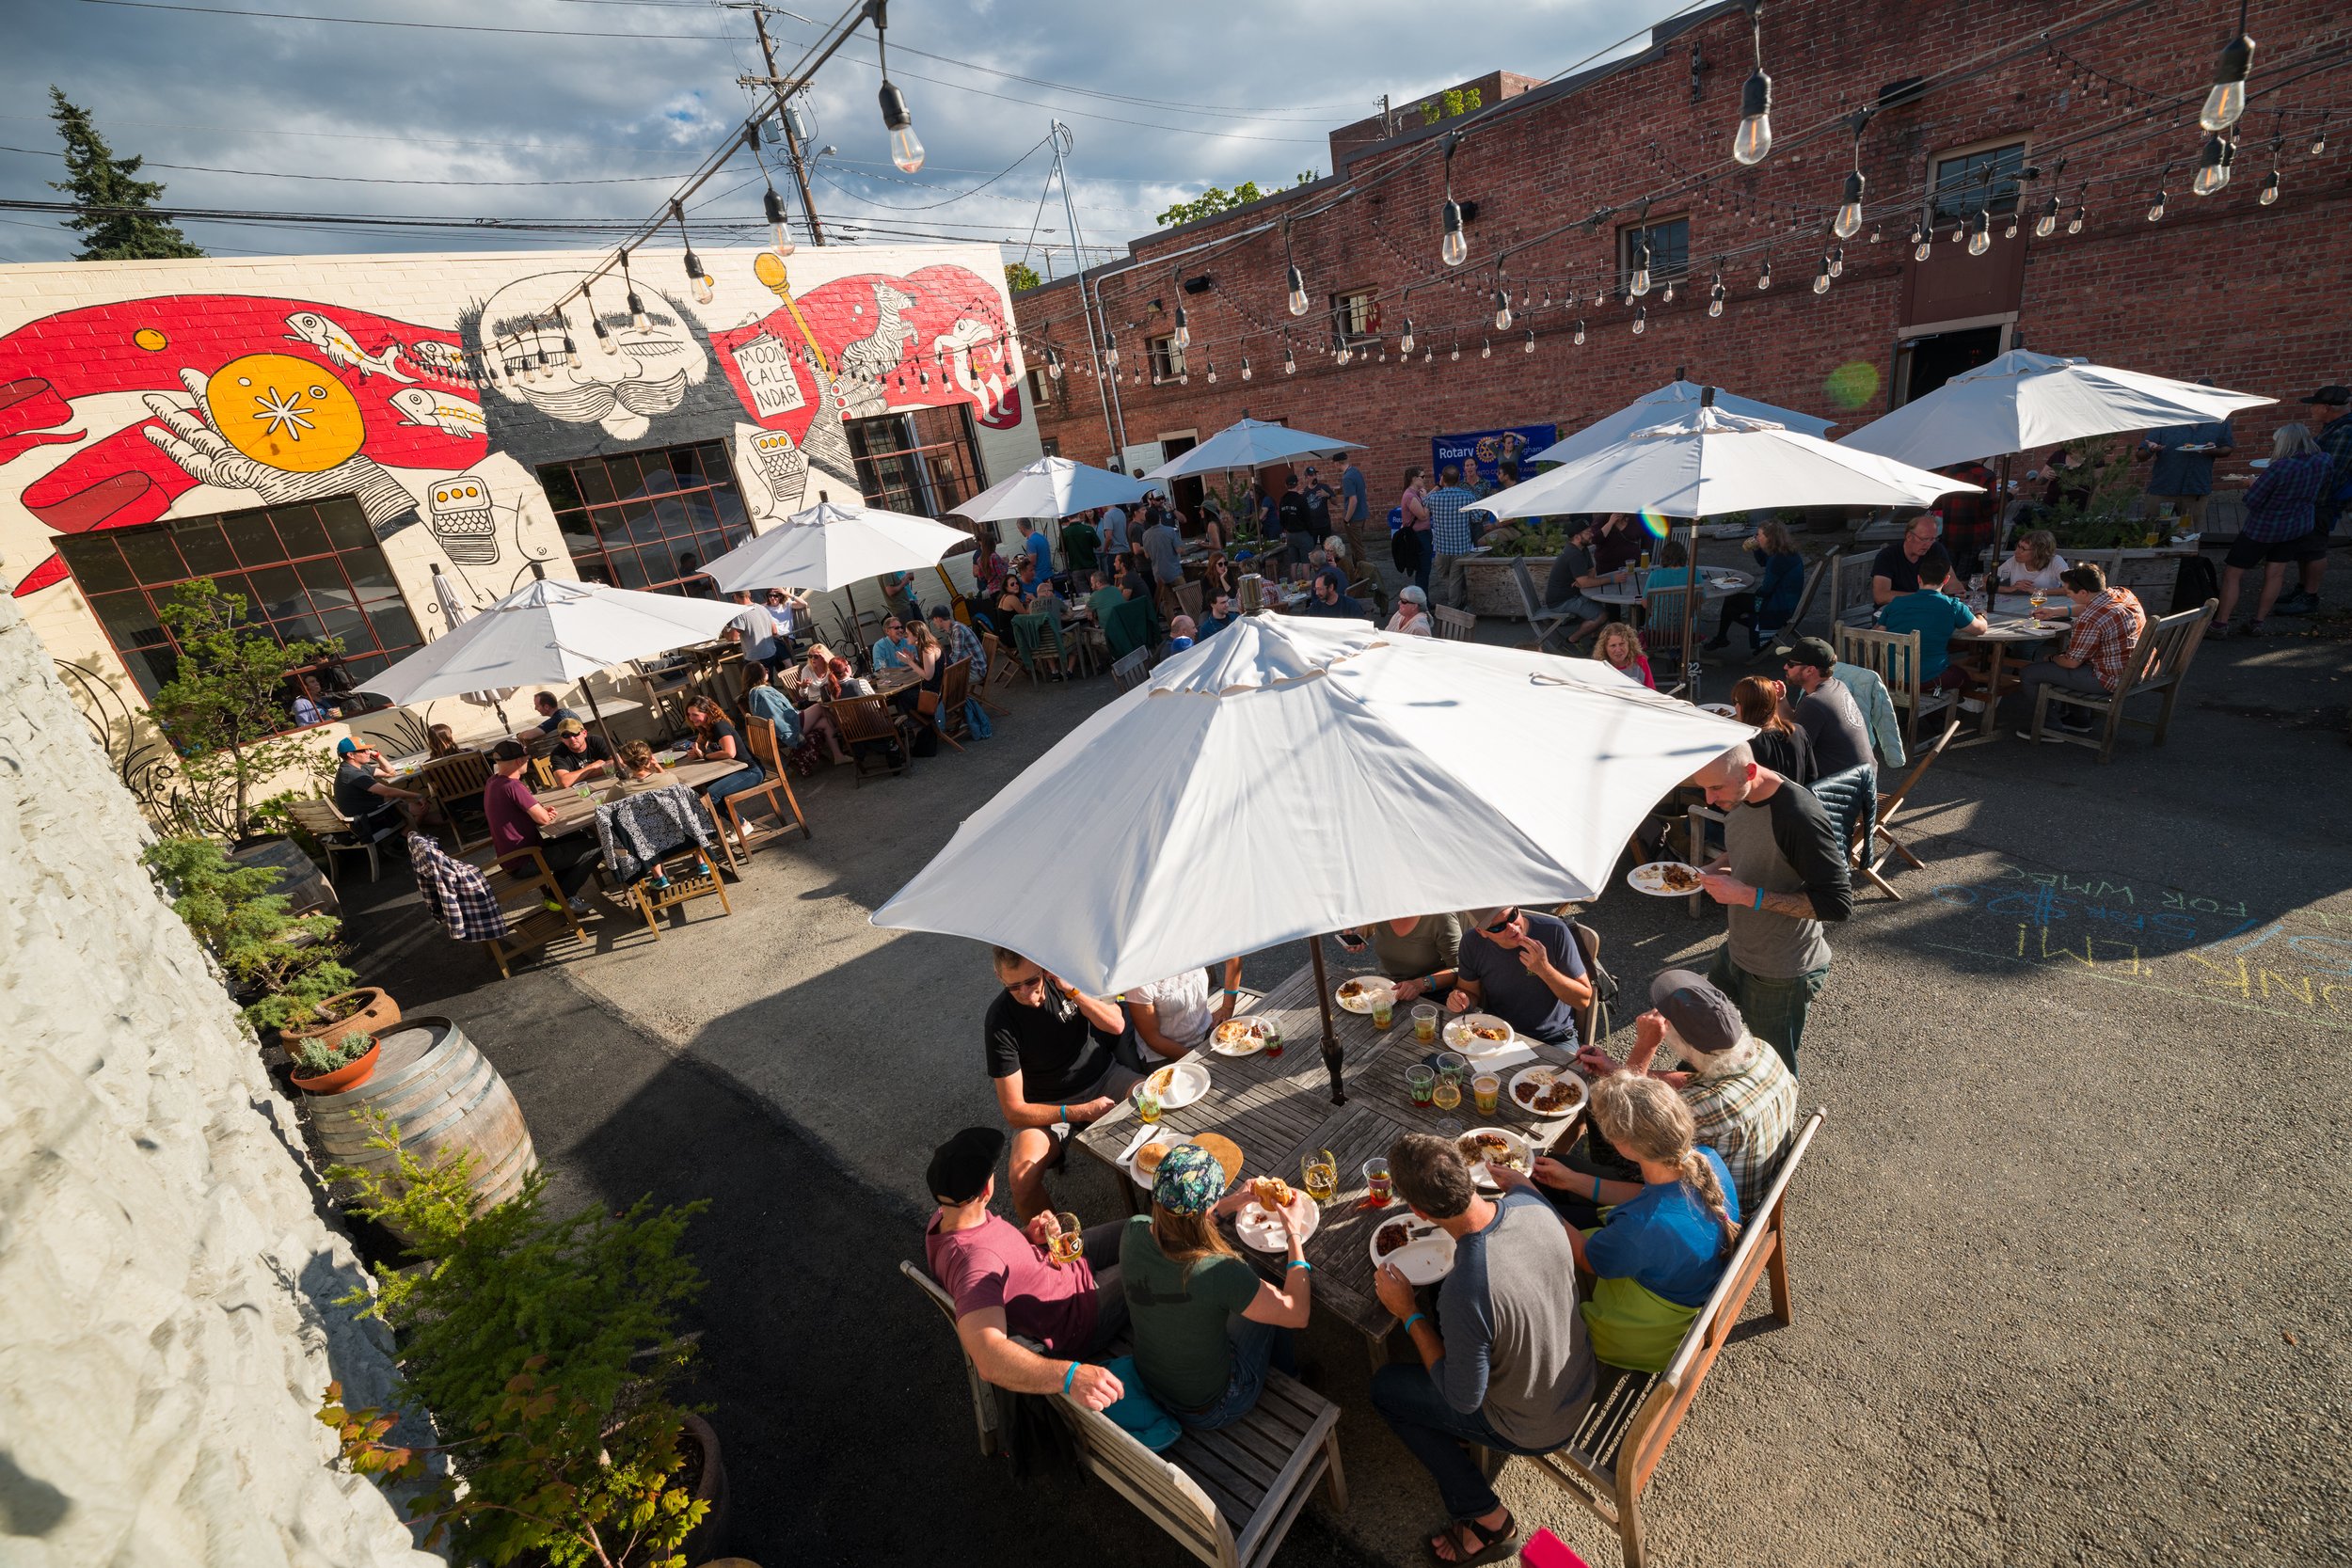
<point>1926,363</point>
<point>1186,493</point>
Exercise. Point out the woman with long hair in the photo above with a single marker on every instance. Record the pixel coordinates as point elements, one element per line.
<point>1778,744</point>
<point>819,685</point>
<point>1204,1324</point>
<point>2034,565</point>
<point>1413,529</point>
<point>1662,1254</point>
<point>442,741</point>
<point>1781,582</point>
<point>716,739</point>
<point>1618,646</point>
<point>1216,577</point>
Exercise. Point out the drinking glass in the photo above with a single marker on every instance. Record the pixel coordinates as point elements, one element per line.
<point>1319,1173</point>
<point>1426,1021</point>
<point>1454,1065</point>
<point>1377,1183</point>
<point>1421,1083</point>
<point>1068,1245</point>
<point>1273,1035</point>
<point>1383,1009</point>
<point>1447,1093</point>
<point>1487,1089</point>
<point>1148,1102</point>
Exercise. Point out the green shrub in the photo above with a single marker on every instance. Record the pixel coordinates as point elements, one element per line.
<point>291,960</point>
<point>316,1058</point>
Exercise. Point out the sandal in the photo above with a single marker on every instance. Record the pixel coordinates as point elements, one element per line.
<point>1491,1545</point>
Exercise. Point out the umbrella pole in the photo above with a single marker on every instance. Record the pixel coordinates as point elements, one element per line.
<point>1690,618</point>
<point>593,712</point>
<point>1330,1039</point>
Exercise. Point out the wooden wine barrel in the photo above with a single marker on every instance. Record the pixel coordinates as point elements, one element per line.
<point>443,1095</point>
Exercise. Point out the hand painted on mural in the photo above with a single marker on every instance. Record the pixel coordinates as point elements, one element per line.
<point>273,460</point>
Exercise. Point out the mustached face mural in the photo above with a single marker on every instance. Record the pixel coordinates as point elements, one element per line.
<point>624,378</point>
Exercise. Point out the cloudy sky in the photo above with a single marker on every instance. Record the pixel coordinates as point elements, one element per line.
<point>590,109</point>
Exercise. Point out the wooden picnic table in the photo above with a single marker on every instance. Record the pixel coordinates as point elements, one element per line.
<point>2002,632</point>
<point>1278,1109</point>
<point>573,815</point>
<point>1715,582</point>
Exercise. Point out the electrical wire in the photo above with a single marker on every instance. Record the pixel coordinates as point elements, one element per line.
<point>897,207</point>
<point>360,179</point>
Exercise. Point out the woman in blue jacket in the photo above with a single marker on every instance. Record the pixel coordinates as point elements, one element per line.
<point>1767,609</point>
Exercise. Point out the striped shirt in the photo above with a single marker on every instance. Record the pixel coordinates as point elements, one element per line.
<point>1448,530</point>
<point>1747,1114</point>
<point>2105,631</point>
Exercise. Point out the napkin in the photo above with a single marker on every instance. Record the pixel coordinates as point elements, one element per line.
<point>1518,1054</point>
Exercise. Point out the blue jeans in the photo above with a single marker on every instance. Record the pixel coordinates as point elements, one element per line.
<point>1422,559</point>
<point>1408,1399</point>
<point>733,784</point>
<point>1254,1345</point>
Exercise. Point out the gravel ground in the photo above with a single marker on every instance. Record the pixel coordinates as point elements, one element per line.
<point>2065,1287</point>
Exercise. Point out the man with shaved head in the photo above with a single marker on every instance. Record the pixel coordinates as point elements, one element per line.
<point>1782,873</point>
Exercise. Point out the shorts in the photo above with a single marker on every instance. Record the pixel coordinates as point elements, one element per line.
<point>2244,552</point>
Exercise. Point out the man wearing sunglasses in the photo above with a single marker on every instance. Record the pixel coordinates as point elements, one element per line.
<point>1523,967</point>
<point>1055,1057</point>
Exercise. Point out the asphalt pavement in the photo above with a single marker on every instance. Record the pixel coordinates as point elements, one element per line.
<point>2067,1278</point>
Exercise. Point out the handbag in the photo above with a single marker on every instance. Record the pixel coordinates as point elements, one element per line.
<point>927,702</point>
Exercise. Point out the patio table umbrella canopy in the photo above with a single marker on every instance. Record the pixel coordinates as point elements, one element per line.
<point>1677,397</point>
<point>1250,444</point>
<point>2024,402</point>
<point>831,546</point>
<point>549,632</point>
<point>1399,775</point>
<point>1053,488</point>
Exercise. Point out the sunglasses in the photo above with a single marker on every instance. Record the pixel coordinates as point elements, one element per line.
<point>1035,982</point>
<point>1502,924</point>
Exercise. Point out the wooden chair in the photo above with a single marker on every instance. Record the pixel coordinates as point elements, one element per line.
<point>1634,1415</point>
<point>541,772</point>
<point>687,874</point>
<point>1592,1020</point>
<point>523,900</point>
<point>2158,662</point>
<point>455,783</point>
<point>999,669</point>
<point>1850,590</point>
<point>1039,643</point>
<point>1228,1496</point>
<point>334,833</point>
<point>1453,625</point>
<point>1661,636</point>
<point>1133,669</point>
<point>1540,621</point>
<point>1794,626</point>
<point>1873,860</point>
<point>869,720</point>
<point>1894,657</point>
<point>955,689</point>
<point>1188,599</point>
<point>761,736</point>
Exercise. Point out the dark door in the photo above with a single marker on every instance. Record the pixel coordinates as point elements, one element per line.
<point>1933,360</point>
<point>1186,493</point>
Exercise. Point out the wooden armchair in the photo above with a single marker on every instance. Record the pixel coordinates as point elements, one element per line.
<point>1894,657</point>
<point>871,735</point>
<point>1872,860</point>
<point>523,898</point>
<point>334,833</point>
<point>955,691</point>
<point>1543,625</point>
<point>784,807</point>
<point>2158,663</point>
<point>1661,636</point>
<point>1455,625</point>
<point>999,669</point>
<point>455,783</point>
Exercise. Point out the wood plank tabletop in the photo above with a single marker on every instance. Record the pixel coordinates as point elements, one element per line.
<point>572,813</point>
<point>1278,1110</point>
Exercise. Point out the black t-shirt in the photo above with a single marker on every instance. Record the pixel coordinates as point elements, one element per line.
<point>564,760</point>
<point>1319,510</point>
<point>1835,730</point>
<point>1292,508</point>
<point>1615,549</point>
<point>722,730</point>
<point>354,791</point>
<point>1060,1056</point>
<point>1899,569</point>
<point>1787,752</point>
<point>1574,562</point>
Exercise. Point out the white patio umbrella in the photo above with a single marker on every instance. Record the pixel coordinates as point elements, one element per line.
<point>1053,488</point>
<point>831,546</point>
<point>2023,401</point>
<point>1249,444</point>
<point>550,631</point>
<point>1408,773</point>
<point>1708,462</point>
<point>1674,398</point>
<point>455,609</point>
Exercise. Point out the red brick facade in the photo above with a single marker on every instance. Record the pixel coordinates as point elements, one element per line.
<point>2250,294</point>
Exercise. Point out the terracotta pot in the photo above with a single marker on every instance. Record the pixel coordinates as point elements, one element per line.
<point>709,1536</point>
<point>349,1076</point>
<point>376,1013</point>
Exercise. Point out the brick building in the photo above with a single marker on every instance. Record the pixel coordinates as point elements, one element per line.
<point>1967,98</point>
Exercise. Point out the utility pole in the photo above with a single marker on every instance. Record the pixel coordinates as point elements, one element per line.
<point>1114,417</point>
<point>783,117</point>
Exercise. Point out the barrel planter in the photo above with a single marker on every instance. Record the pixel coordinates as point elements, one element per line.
<point>441,1093</point>
<point>1488,588</point>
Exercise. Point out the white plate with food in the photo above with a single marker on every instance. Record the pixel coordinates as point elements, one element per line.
<point>1495,1145</point>
<point>1179,1083</point>
<point>1664,879</point>
<point>1721,710</point>
<point>1238,1037</point>
<point>1551,1092</point>
<point>1421,1251</point>
<point>1476,1034</point>
<point>1144,1164</point>
<point>1358,995</point>
<point>1259,1228</point>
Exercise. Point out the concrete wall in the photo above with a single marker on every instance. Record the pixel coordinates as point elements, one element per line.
<point>166,1286</point>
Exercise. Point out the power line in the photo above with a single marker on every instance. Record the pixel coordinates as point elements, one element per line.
<point>426,26</point>
<point>360,179</point>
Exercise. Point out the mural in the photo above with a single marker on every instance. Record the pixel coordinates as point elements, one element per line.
<point>187,403</point>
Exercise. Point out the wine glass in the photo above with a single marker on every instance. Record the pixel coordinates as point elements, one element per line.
<point>1319,1173</point>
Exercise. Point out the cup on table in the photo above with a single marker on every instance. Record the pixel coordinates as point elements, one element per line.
<point>1376,1182</point>
<point>1068,1246</point>
<point>1486,1090</point>
<point>1383,1009</point>
<point>1147,1102</point>
<point>1319,1173</point>
<point>1424,1022</point>
<point>1420,1081</point>
<point>1447,1092</point>
<point>1454,1065</point>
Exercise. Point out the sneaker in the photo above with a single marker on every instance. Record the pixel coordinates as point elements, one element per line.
<point>2254,628</point>
<point>582,906</point>
<point>1971,705</point>
<point>2295,604</point>
<point>2219,629</point>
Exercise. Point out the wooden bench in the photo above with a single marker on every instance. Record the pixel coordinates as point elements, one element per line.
<point>1228,1497</point>
<point>1634,1416</point>
<point>335,832</point>
<point>2158,662</point>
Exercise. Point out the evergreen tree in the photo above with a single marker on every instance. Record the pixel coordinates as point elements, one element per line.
<point>96,178</point>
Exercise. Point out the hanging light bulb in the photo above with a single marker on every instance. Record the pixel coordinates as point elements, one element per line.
<point>1183,336</point>
<point>1640,319</point>
<point>638,319</point>
<point>1382,357</point>
<point>1211,372</point>
<point>1764,278</point>
<point>1290,365</point>
<point>1922,243</point>
<point>2270,187</point>
<point>2213,166</point>
<point>1184,378</point>
<point>772,205</point>
<point>1848,222</point>
<point>1405,344</point>
<point>1668,296</point>
<point>1502,310</point>
<point>571,350</point>
<point>1820,278</point>
<point>1980,238</point>
<point>906,147</point>
<point>2227,100</point>
<point>1715,296</point>
<point>1487,349</point>
<point>2010,232</point>
<point>1244,367</point>
<point>1110,351</point>
<point>1547,299</point>
<point>2046,225</point>
<point>696,279</point>
<point>1579,332</point>
<point>1753,142</point>
<point>1960,232</point>
<point>1429,356</point>
<point>1455,357</point>
<point>2319,137</point>
<point>596,325</point>
<point>1454,249</point>
<point>1878,232</point>
<point>1639,284</point>
<point>2156,208</point>
<point>1837,261</point>
<point>2074,224</point>
<point>1530,347</point>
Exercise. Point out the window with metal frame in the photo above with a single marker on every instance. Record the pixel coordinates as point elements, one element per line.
<point>649,520</point>
<point>926,461</point>
<point>1669,251</point>
<point>1967,183</point>
<point>1167,360</point>
<point>1040,392</point>
<point>304,572</point>
<point>1356,315</point>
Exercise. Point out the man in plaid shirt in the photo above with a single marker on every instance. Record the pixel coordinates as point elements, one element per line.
<point>2107,623</point>
<point>1449,537</point>
<point>958,640</point>
<point>1739,1092</point>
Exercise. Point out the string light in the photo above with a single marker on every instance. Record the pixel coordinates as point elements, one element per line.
<point>2155,208</point>
<point>1297,283</point>
<point>1640,319</point>
<point>1639,285</point>
<point>1764,278</point>
<point>1922,239</point>
<point>1502,310</point>
<point>1182,338</point>
<point>1820,278</point>
<point>2213,165</point>
<point>1290,364</point>
<point>695,276</point>
<point>2074,224</point>
<point>2046,225</point>
<point>2010,232</point>
<point>1580,332</point>
<point>2319,137</point>
<point>2227,100</point>
<point>1715,296</point>
<point>1849,220</point>
<point>1837,261</point>
<point>1110,350</point>
<point>637,319</point>
<point>1668,297</point>
<point>1455,357</point>
<point>595,324</point>
<point>1454,249</point>
<point>571,350</point>
<point>1753,142</point>
<point>1487,349</point>
<point>2270,187</point>
<point>1211,372</point>
<point>1531,341</point>
<point>1981,237</point>
<point>906,147</point>
<point>1405,344</point>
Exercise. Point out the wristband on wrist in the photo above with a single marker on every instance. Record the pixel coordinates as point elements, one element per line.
<point>1064,1110</point>
<point>1416,1318</point>
<point>1302,1263</point>
<point>1759,898</point>
<point>1595,1189</point>
<point>1069,1377</point>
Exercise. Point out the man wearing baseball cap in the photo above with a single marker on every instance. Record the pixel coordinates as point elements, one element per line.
<point>576,755</point>
<point>515,816</point>
<point>1825,709</point>
<point>1739,1092</point>
<point>1007,1284</point>
<point>364,790</point>
<point>2335,440</point>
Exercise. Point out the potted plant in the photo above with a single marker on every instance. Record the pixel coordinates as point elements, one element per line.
<point>324,1068</point>
<point>547,1349</point>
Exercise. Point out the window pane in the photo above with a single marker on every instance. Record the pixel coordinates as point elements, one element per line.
<point>152,668</point>
<point>686,465</point>
<point>96,562</point>
<point>349,625</point>
<point>580,538</point>
<point>561,489</point>
<point>300,529</point>
<point>153,556</point>
<point>632,569</point>
<point>255,541</point>
<point>393,627</point>
<point>644,528</point>
<point>278,593</point>
<point>728,506</point>
<point>346,524</point>
<point>204,547</point>
<point>128,618</point>
<point>302,626</point>
<point>325,579</point>
<point>1977,181</point>
<point>628,480</point>
<point>596,482</point>
<point>233,582</point>
<point>371,575</point>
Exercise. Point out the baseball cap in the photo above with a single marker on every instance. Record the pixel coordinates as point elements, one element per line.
<point>1809,650</point>
<point>941,612</point>
<point>961,1167</point>
<point>345,747</point>
<point>509,749</point>
<point>2334,394</point>
<point>1703,1016</point>
<point>1310,468</point>
<point>571,726</point>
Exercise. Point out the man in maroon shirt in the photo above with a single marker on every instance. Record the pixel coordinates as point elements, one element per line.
<point>515,817</point>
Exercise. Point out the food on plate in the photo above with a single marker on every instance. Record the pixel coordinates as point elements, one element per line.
<point>1355,991</point>
<point>1163,1080</point>
<point>1527,1089</point>
<point>1678,878</point>
<point>1148,1158</point>
<point>1272,1193</point>
<point>1392,1236</point>
<point>1558,1095</point>
<point>1235,1031</point>
<point>1491,1032</point>
<point>1491,1149</point>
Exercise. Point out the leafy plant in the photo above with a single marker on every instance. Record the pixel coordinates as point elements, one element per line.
<point>1020,277</point>
<point>289,959</point>
<point>2101,493</point>
<point>1453,100</point>
<point>548,1347</point>
<point>1215,200</point>
<point>221,710</point>
<point>316,1058</point>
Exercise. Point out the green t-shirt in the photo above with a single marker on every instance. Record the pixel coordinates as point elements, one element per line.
<point>1104,600</point>
<point>1079,542</point>
<point>1178,1318</point>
